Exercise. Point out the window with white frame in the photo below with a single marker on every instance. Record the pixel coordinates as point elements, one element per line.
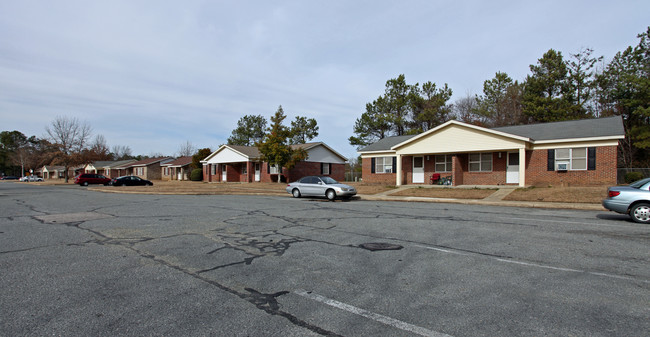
<point>384,165</point>
<point>274,169</point>
<point>480,162</point>
<point>575,157</point>
<point>443,163</point>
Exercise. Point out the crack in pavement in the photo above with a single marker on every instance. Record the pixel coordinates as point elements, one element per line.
<point>266,302</point>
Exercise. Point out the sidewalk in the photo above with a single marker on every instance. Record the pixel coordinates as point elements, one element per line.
<point>495,199</point>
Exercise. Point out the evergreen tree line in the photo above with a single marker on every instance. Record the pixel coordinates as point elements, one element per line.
<point>558,88</point>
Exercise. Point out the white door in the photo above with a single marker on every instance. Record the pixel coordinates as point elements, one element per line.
<point>180,174</point>
<point>257,171</point>
<point>224,173</point>
<point>418,170</point>
<point>512,168</point>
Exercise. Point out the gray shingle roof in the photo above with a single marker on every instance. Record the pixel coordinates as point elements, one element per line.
<point>385,144</point>
<point>584,128</point>
<point>249,151</point>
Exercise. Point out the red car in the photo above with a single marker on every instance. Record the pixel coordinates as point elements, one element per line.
<point>90,178</point>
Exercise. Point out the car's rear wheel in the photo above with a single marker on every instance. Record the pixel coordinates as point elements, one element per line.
<point>85,183</point>
<point>295,193</point>
<point>330,194</point>
<point>640,213</point>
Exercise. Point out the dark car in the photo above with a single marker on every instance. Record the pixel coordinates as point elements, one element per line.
<point>633,199</point>
<point>90,178</point>
<point>130,181</point>
<point>9,178</point>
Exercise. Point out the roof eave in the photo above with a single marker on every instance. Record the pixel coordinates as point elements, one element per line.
<point>571,140</point>
<point>378,151</point>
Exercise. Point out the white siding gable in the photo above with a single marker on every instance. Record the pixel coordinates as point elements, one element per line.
<point>227,155</point>
<point>321,154</point>
<point>456,138</point>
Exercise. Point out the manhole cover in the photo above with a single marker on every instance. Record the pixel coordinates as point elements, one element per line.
<point>373,246</point>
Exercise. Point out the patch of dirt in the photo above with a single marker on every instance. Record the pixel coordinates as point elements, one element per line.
<point>453,193</point>
<point>370,188</point>
<point>587,194</point>
<point>197,187</point>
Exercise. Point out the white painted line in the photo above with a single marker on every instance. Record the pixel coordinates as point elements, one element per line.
<point>528,264</point>
<point>371,315</point>
<point>541,266</point>
<point>442,250</point>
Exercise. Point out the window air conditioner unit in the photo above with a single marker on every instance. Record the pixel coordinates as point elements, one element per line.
<point>562,166</point>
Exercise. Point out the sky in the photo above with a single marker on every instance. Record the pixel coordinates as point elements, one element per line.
<point>153,75</point>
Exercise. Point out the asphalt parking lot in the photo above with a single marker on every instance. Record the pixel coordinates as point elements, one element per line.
<point>78,262</point>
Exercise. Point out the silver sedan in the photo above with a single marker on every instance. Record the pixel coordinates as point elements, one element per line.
<point>320,186</point>
<point>633,199</point>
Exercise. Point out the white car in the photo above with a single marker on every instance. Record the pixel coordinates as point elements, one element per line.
<point>633,199</point>
<point>30,178</point>
<point>319,186</point>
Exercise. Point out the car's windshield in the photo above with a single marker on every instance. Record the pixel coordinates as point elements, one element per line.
<point>639,183</point>
<point>329,180</point>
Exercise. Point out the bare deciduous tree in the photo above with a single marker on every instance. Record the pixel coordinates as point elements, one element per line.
<point>186,149</point>
<point>70,136</point>
<point>98,150</point>
<point>121,152</point>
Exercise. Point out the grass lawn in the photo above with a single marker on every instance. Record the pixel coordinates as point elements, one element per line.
<point>589,194</point>
<point>460,193</point>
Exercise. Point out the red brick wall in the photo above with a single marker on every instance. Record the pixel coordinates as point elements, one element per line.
<point>496,177</point>
<point>375,178</point>
<point>604,174</point>
<point>407,169</point>
<point>306,168</point>
<point>457,168</point>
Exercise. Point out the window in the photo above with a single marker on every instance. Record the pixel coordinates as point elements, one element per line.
<point>575,157</point>
<point>443,163</point>
<point>325,168</point>
<point>384,165</point>
<point>213,169</point>
<point>274,169</point>
<point>480,162</point>
<point>244,168</point>
<point>309,180</point>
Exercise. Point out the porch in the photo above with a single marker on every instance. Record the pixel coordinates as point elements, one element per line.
<point>462,169</point>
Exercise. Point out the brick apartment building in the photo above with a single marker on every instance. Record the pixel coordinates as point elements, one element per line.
<point>235,163</point>
<point>582,152</point>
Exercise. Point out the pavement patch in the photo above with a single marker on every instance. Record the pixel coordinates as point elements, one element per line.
<point>71,217</point>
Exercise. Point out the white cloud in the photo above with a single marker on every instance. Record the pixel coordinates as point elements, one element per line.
<point>152,74</point>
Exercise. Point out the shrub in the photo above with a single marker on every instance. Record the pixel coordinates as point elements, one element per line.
<point>196,175</point>
<point>631,177</point>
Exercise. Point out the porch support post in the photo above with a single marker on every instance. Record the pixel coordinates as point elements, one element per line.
<point>522,167</point>
<point>398,175</point>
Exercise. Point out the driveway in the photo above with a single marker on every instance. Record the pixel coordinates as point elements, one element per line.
<point>77,262</point>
